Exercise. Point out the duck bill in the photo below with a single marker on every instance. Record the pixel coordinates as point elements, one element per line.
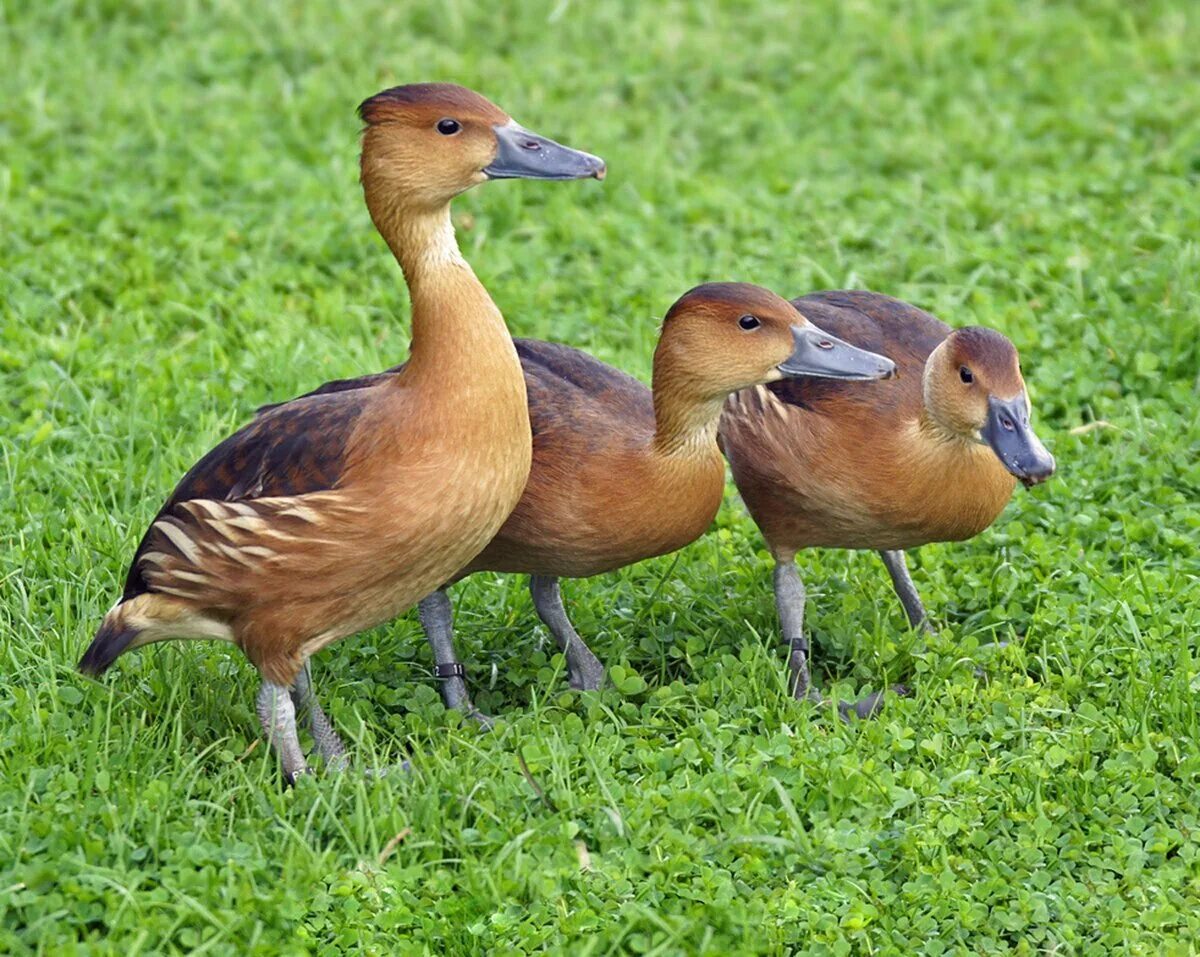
<point>521,154</point>
<point>1010,436</point>
<point>816,353</point>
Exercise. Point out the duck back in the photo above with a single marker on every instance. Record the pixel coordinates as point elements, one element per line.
<point>565,386</point>
<point>896,329</point>
<point>576,398</point>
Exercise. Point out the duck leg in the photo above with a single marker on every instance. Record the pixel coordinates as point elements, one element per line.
<point>277,715</point>
<point>902,581</point>
<point>437,618</point>
<point>326,740</point>
<point>584,669</point>
<point>790,597</point>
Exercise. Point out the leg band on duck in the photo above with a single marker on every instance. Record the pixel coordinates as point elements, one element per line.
<point>437,618</point>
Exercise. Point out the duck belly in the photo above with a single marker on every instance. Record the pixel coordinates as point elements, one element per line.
<point>893,513</point>
<point>577,529</point>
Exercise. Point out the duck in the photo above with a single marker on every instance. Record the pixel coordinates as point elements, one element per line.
<point>337,512</point>
<point>622,473</point>
<point>931,455</point>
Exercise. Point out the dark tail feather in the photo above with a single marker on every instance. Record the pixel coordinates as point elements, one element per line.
<point>113,638</point>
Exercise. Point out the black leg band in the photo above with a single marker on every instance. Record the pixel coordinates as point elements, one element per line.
<point>453,670</point>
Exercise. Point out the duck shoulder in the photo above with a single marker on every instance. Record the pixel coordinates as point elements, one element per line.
<point>567,388</point>
<point>572,393</point>
<point>289,450</point>
<point>869,320</point>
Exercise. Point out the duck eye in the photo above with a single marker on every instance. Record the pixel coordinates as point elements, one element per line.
<point>966,375</point>
<point>749,322</point>
<point>448,127</point>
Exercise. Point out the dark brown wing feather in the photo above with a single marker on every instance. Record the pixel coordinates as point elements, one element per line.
<point>569,389</point>
<point>292,448</point>
<point>896,329</point>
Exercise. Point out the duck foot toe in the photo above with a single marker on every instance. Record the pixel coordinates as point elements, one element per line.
<point>485,721</point>
<point>870,706</point>
<point>388,770</point>
<point>803,691</point>
<point>337,763</point>
<point>979,670</point>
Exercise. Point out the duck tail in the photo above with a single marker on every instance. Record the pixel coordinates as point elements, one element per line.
<point>116,633</point>
<point>140,620</point>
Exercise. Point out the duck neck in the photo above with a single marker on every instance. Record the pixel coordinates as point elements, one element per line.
<point>456,328</point>
<point>937,436</point>
<point>942,450</point>
<point>422,241</point>
<point>685,427</point>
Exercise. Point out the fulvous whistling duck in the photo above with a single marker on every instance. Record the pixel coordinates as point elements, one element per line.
<point>621,474</point>
<point>333,513</point>
<point>930,456</point>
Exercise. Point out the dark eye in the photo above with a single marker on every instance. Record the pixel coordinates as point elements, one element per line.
<point>966,375</point>
<point>448,127</point>
<point>749,322</point>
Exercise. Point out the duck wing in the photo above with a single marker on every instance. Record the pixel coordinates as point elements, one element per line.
<point>291,450</point>
<point>573,392</point>
<point>338,385</point>
<point>869,320</point>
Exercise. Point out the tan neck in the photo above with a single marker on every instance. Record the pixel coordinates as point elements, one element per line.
<point>937,435</point>
<point>684,426</point>
<point>458,333</point>
<point>422,241</point>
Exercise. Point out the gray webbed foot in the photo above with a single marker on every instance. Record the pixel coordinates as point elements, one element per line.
<point>870,706</point>
<point>863,709</point>
<point>389,770</point>
<point>485,721</point>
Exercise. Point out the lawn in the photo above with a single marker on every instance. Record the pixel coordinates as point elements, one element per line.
<point>182,238</point>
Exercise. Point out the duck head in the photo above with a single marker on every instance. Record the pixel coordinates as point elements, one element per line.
<point>722,337</point>
<point>974,390</point>
<point>426,143</point>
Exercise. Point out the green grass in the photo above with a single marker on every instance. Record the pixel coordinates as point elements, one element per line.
<point>182,238</point>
